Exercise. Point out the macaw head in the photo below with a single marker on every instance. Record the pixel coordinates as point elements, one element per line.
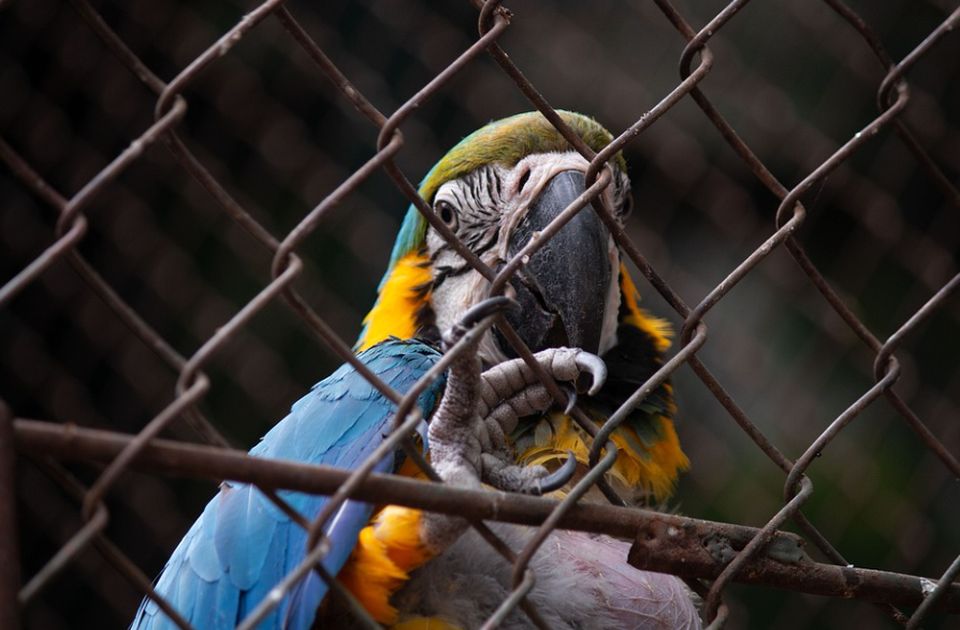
<point>495,190</point>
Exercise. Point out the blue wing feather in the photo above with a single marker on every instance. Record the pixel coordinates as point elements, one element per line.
<point>243,545</point>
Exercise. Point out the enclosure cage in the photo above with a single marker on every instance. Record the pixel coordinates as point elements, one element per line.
<point>198,200</point>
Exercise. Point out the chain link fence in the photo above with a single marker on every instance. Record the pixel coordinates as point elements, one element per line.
<point>194,196</point>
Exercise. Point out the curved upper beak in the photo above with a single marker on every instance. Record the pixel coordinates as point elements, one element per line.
<point>562,290</point>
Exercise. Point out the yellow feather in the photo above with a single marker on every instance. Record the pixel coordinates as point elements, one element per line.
<point>387,550</point>
<point>395,313</point>
<point>399,530</point>
<point>372,576</point>
<point>652,470</point>
<point>659,329</point>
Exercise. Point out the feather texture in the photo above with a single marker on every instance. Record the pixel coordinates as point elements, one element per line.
<point>242,545</point>
<point>583,583</point>
<point>504,141</point>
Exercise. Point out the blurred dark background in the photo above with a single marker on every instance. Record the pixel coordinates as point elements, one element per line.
<point>792,77</point>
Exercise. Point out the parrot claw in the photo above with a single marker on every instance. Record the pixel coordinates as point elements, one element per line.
<point>474,315</point>
<point>499,471</point>
<point>558,478</point>
<point>482,310</point>
<point>571,399</point>
<point>595,366</point>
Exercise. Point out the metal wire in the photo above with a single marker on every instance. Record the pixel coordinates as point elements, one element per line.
<point>664,542</point>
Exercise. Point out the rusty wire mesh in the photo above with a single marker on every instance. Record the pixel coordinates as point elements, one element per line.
<point>173,247</point>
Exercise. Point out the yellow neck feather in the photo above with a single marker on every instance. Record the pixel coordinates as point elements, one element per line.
<point>401,296</point>
<point>658,329</point>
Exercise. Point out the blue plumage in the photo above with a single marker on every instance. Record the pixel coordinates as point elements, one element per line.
<point>242,545</point>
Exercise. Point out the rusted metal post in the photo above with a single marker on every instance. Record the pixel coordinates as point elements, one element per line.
<point>666,543</point>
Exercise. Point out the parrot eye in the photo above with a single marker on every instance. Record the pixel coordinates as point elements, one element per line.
<point>446,213</point>
<point>523,180</point>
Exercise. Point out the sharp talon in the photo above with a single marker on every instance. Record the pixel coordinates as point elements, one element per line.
<point>491,306</point>
<point>596,367</point>
<point>571,399</point>
<point>558,478</point>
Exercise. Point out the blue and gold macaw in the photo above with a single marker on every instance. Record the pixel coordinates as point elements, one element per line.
<point>496,189</point>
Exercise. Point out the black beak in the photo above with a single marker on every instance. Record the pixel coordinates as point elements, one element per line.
<point>563,288</point>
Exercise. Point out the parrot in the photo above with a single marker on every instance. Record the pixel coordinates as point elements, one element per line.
<point>487,420</point>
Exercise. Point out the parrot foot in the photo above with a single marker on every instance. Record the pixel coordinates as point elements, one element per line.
<point>454,432</point>
<point>467,435</point>
<point>511,390</point>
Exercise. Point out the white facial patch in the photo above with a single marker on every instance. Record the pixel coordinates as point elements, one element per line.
<point>489,204</point>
